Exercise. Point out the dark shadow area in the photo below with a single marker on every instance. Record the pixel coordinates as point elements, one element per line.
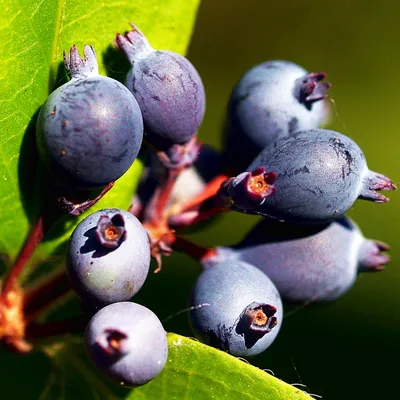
<point>30,173</point>
<point>115,63</point>
<point>47,266</point>
<point>33,180</point>
<point>5,263</point>
<point>92,244</point>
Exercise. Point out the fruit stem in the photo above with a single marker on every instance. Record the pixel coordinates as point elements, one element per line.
<point>77,209</point>
<point>39,297</point>
<point>193,250</point>
<point>161,196</point>
<point>71,325</point>
<point>210,190</point>
<point>32,242</point>
<point>191,218</point>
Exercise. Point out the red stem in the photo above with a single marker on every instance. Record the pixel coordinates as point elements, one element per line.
<point>209,191</point>
<point>71,325</point>
<point>161,196</point>
<point>193,250</point>
<point>34,238</point>
<point>191,218</point>
<point>43,295</point>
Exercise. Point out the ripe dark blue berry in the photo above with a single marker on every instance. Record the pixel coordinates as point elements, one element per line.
<point>320,174</point>
<point>272,100</point>
<point>108,257</point>
<point>168,89</point>
<point>237,308</point>
<point>308,263</point>
<point>90,129</point>
<point>127,343</point>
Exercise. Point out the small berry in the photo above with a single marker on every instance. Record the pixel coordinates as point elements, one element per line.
<point>127,343</point>
<point>168,89</point>
<point>271,101</point>
<point>108,257</point>
<point>237,308</point>
<point>320,174</point>
<point>307,263</point>
<point>90,130</point>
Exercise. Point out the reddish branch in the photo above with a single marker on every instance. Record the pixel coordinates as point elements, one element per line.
<point>24,256</point>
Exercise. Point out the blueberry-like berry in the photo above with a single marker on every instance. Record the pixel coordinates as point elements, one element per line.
<point>108,257</point>
<point>90,130</point>
<point>271,101</point>
<point>316,263</point>
<point>127,343</point>
<point>319,175</point>
<point>236,308</point>
<point>168,89</point>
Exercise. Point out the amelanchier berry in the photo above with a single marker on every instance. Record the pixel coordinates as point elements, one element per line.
<point>319,175</point>
<point>237,308</point>
<point>168,89</point>
<point>307,263</point>
<point>127,343</point>
<point>108,257</point>
<point>272,100</point>
<point>90,129</point>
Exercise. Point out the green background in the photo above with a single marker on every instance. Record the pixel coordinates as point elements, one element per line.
<point>349,349</point>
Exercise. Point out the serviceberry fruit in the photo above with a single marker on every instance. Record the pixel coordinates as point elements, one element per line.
<point>307,263</point>
<point>127,343</point>
<point>168,89</point>
<point>108,257</point>
<point>272,100</point>
<point>237,308</point>
<point>90,130</point>
<point>320,174</point>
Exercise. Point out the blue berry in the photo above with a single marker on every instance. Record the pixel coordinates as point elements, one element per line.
<point>108,257</point>
<point>90,130</point>
<point>308,263</point>
<point>272,100</point>
<point>127,343</point>
<point>168,89</point>
<point>236,308</point>
<point>320,174</point>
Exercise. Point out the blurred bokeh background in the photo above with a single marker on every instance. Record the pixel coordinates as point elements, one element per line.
<point>348,349</point>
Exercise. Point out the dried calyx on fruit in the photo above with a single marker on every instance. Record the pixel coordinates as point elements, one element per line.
<point>168,89</point>
<point>319,175</point>
<point>271,101</point>
<point>315,263</point>
<point>108,257</point>
<point>242,310</point>
<point>127,343</point>
<point>90,130</point>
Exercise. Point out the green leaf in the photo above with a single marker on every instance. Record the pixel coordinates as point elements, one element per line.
<point>193,371</point>
<point>33,35</point>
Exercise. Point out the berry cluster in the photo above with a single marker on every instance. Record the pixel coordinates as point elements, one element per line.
<point>277,162</point>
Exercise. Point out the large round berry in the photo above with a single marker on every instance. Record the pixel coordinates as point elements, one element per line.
<point>319,175</point>
<point>308,263</point>
<point>127,343</point>
<point>108,257</point>
<point>272,100</point>
<point>90,129</point>
<point>236,308</point>
<point>168,89</point>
